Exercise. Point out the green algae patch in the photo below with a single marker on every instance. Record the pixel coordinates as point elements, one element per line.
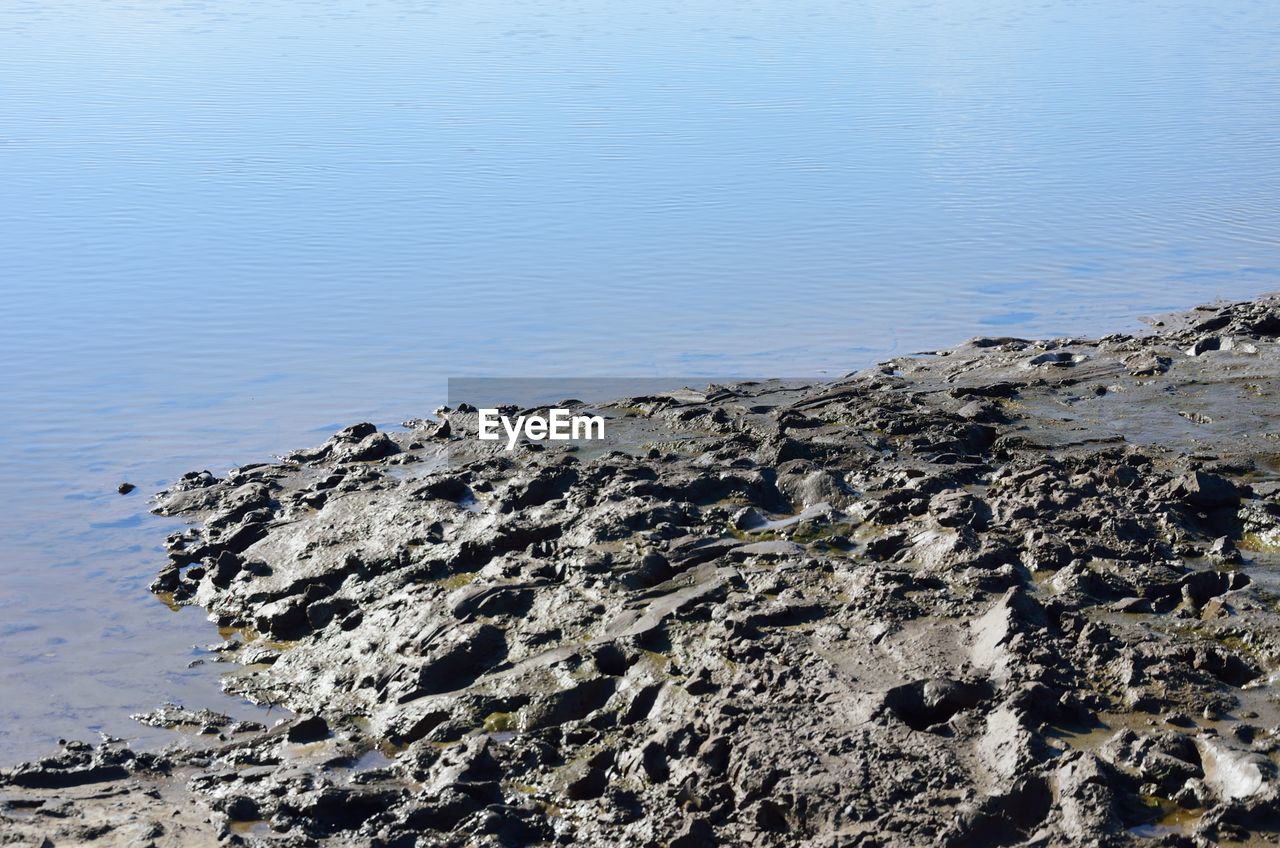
<point>754,535</point>
<point>457,581</point>
<point>810,532</point>
<point>499,722</point>
<point>1267,542</point>
<point>166,598</point>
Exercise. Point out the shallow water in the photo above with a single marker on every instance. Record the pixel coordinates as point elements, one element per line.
<point>225,231</point>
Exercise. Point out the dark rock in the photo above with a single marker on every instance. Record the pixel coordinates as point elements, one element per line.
<point>1206,491</point>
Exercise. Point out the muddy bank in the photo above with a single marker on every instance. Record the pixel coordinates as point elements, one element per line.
<point>1012,593</point>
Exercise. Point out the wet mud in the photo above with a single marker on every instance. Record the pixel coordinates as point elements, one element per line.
<point>1018,592</point>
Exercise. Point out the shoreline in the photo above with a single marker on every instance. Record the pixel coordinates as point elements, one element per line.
<point>1011,592</point>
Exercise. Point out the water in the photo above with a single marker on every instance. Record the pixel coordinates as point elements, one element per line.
<point>226,229</point>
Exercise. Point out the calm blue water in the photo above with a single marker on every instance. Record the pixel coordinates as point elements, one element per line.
<point>226,229</point>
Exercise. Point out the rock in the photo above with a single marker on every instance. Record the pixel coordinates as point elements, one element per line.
<point>175,716</point>
<point>1132,605</point>
<point>1232,773</point>
<point>375,446</point>
<point>958,508</point>
<point>1224,551</point>
<point>1206,491</point>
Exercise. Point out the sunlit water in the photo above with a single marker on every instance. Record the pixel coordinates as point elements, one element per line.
<point>226,229</point>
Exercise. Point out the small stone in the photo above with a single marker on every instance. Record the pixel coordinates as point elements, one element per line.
<point>1224,551</point>
<point>748,518</point>
<point>1132,605</point>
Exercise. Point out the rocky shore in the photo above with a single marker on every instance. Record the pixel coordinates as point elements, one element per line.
<point>1017,592</point>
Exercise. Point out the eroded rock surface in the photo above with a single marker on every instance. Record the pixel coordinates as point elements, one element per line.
<point>1017,592</point>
